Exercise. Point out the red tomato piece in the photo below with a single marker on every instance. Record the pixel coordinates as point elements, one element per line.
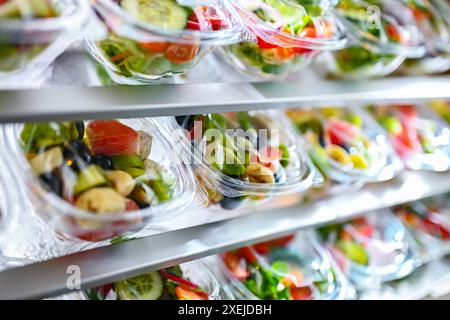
<point>248,254</point>
<point>232,260</point>
<point>264,44</point>
<point>301,293</point>
<point>267,155</point>
<point>112,138</point>
<point>341,132</point>
<point>185,293</point>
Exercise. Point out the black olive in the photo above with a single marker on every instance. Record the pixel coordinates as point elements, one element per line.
<point>103,161</point>
<point>322,140</point>
<point>53,181</point>
<point>345,147</point>
<point>278,175</point>
<point>142,205</point>
<point>79,126</point>
<point>229,203</point>
<point>78,153</point>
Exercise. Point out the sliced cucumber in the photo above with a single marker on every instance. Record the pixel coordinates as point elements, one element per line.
<point>166,14</point>
<point>145,287</point>
<point>88,178</point>
<point>127,161</point>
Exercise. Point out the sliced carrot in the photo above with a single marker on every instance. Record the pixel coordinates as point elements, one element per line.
<point>178,53</point>
<point>185,293</point>
<point>154,47</point>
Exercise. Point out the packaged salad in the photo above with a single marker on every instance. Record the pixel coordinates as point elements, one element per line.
<point>428,221</point>
<point>419,136</point>
<point>289,33</point>
<point>377,45</point>
<point>188,281</point>
<point>94,180</point>
<point>432,18</point>
<point>34,32</point>
<point>289,268</point>
<point>153,39</point>
<point>372,249</point>
<point>244,155</point>
<point>347,146</point>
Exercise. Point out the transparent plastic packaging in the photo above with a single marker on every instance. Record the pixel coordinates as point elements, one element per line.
<point>289,34</point>
<point>432,18</point>
<point>290,268</point>
<point>346,145</point>
<point>428,221</point>
<point>244,155</point>
<point>189,281</point>
<point>442,108</point>
<point>378,42</point>
<point>372,249</point>
<point>157,39</point>
<point>100,179</point>
<point>419,136</point>
<point>33,33</point>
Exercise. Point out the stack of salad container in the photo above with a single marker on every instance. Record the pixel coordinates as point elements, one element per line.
<point>33,33</point>
<point>97,180</point>
<point>347,146</point>
<point>378,43</point>
<point>244,155</point>
<point>419,136</point>
<point>154,39</point>
<point>289,33</point>
<point>432,18</point>
<point>189,281</point>
<point>429,224</point>
<point>289,268</point>
<point>372,249</point>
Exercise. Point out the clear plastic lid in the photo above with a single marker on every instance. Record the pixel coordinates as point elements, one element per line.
<point>244,154</point>
<point>188,281</point>
<point>372,249</point>
<point>155,39</point>
<point>428,221</point>
<point>290,268</point>
<point>419,136</point>
<point>346,144</point>
<point>99,179</point>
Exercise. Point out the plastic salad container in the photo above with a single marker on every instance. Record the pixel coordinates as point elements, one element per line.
<point>153,39</point>
<point>188,281</point>
<point>441,107</point>
<point>96,180</point>
<point>242,155</point>
<point>433,19</point>
<point>34,32</point>
<point>290,268</point>
<point>347,145</point>
<point>289,33</point>
<point>428,221</point>
<point>378,43</point>
<point>419,136</point>
<point>372,249</point>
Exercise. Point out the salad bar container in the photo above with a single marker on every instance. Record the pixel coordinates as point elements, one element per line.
<point>290,268</point>
<point>96,180</point>
<point>372,249</point>
<point>189,281</point>
<point>419,136</point>
<point>347,146</point>
<point>378,43</point>
<point>33,33</point>
<point>244,155</point>
<point>289,34</point>
<point>429,224</point>
<point>151,40</point>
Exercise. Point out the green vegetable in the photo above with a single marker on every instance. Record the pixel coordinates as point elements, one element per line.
<point>36,136</point>
<point>124,162</point>
<point>392,125</point>
<point>245,121</point>
<point>354,251</point>
<point>88,178</point>
<point>145,287</point>
<point>135,172</point>
<point>285,156</point>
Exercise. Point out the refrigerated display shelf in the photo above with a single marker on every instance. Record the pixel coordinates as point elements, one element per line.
<point>111,263</point>
<point>67,103</point>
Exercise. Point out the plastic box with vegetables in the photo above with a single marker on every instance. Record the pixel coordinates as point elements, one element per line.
<point>420,137</point>
<point>28,28</point>
<point>372,249</point>
<point>289,33</point>
<point>377,45</point>
<point>99,179</point>
<point>188,281</point>
<point>153,39</point>
<point>244,156</point>
<point>290,268</point>
<point>347,145</point>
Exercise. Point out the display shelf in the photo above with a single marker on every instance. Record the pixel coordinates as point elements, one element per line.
<point>67,103</point>
<point>106,264</point>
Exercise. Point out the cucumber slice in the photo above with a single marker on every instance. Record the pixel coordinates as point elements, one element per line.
<point>166,14</point>
<point>127,161</point>
<point>145,287</point>
<point>89,177</point>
